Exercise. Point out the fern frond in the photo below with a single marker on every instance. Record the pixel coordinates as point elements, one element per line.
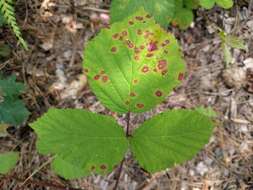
<point>8,12</point>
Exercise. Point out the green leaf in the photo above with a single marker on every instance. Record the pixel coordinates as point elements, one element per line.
<point>183,18</point>
<point>207,4</point>
<point>162,10</point>
<point>12,109</point>
<point>134,65</point>
<point>234,42</point>
<point>170,138</point>
<point>13,112</point>
<point>191,4</point>
<point>8,161</point>
<point>9,87</point>
<point>226,4</point>
<point>83,142</point>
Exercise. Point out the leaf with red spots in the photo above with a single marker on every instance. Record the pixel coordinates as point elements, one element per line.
<point>171,138</point>
<point>162,10</point>
<point>82,142</point>
<point>141,64</point>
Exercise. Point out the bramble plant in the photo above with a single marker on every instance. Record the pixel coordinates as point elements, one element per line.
<point>7,14</point>
<point>131,67</point>
<point>178,12</point>
<point>12,109</point>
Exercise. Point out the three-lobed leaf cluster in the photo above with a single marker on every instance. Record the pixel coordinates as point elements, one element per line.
<point>131,67</point>
<point>12,109</point>
<point>178,12</point>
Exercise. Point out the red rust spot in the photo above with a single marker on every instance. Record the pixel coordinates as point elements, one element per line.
<point>124,33</point>
<point>152,46</point>
<point>135,81</point>
<point>93,168</point>
<point>136,58</point>
<point>130,22</point>
<point>158,93</point>
<point>148,16</point>
<point>164,72</point>
<point>139,32</point>
<point>103,167</point>
<point>96,77</point>
<point>162,64</point>
<point>132,94</point>
<point>145,69</point>
<point>105,78</point>
<point>129,44</point>
<point>139,105</point>
<point>140,18</point>
<point>136,50</point>
<point>181,76</point>
<point>166,42</point>
<point>113,49</point>
<point>149,54</point>
<point>115,36</point>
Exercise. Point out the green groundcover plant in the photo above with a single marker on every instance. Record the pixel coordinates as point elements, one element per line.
<point>7,15</point>
<point>131,67</point>
<point>178,12</point>
<point>8,161</point>
<point>12,108</point>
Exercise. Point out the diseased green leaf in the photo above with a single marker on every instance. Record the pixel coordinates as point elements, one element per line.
<point>8,161</point>
<point>135,66</point>
<point>67,169</point>
<point>170,138</point>
<point>162,10</point>
<point>83,142</point>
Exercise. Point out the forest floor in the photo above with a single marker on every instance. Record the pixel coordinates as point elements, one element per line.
<point>57,32</point>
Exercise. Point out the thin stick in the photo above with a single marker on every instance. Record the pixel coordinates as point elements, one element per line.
<point>128,115</point>
<point>119,174</point>
<point>37,170</point>
<point>128,124</point>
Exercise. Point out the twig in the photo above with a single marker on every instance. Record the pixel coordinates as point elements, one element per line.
<point>37,170</point>
<point>119,174</point>
<point>128,125</point>
<point>128,115</point>
<point>40,183</point>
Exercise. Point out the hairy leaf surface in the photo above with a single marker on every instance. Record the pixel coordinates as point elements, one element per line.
<point>134,65</point>
<point>8,161</point>
<point>83,142</point>
<point>170,138</point>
